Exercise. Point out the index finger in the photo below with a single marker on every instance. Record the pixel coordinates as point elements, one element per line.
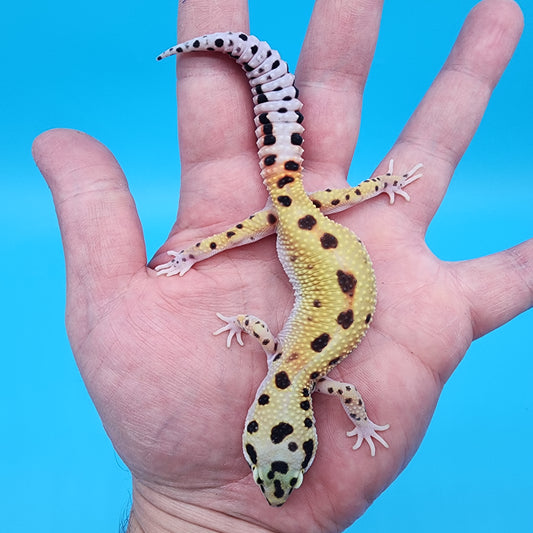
<point>214,104</point>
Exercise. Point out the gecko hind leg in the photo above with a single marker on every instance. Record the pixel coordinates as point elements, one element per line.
<point>353,404</point>
<point>263,223</point>
<point>257,226</point>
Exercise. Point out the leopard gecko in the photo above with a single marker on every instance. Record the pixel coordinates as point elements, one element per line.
<point>327,265</point>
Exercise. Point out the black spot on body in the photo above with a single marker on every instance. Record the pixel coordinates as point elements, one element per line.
<point>263,118</point>
<point>196,44</point>
<point>279,432</point>
<point>329,241</point>
<point>212,245</point>
<point>254,49</point>
<point>219,42</point>
<point>239,226</point>
<point>334,361</point>
<point>261,99</point>
<point>317,204</point>
<point>347,282</point>
<point>308,447</point>
<point>305,405</point>
<point>230,234</point>
<point>314,375</point>
<point>285,200</point>
<point>252,427</point>
<point>318,344</point>
<point>300,118</point>
<point>345,319</point>
<point>282,380</point>
<point>292,446</point>
<point>307,222</point>
<point>277,356</point>
<point>335,202</point>
<point>243,36</point>
<point>269,140</point>
<point>305,392</point>
<point>271,219</point>
<point>252,454</point>
<point>284,181</point>
<point>308,423</point>
<point>263,399</point>
<point>368,318</point>
<point>317,303</point>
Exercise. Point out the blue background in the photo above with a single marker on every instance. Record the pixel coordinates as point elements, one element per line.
<point>91,66</point>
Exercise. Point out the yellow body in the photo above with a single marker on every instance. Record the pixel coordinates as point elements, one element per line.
<point>327,264</point>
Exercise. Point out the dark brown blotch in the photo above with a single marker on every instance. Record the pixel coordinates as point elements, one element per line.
<point>282,380</point>
<point>318,344</point>
<point>307,222</point>
<point>329,241</point>
<point>347,282</point>
<point>345,319</point>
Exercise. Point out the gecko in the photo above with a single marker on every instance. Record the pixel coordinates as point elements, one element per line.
<point>327,264</point>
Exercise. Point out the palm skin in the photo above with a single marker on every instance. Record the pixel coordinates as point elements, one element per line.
<point>172,397</point>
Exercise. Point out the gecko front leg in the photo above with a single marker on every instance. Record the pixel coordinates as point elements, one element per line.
<point>353,404</point>
<point>255,327</point>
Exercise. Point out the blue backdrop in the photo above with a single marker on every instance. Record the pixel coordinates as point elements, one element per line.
<point>91,66</point>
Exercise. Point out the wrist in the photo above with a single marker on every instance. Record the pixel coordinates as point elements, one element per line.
<point>157,510</point>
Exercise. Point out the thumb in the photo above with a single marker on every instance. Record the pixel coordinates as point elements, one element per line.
<point>100,228</point>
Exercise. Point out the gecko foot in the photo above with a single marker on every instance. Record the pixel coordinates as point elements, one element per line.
<point>179,264</point>
<point>366,430</point>
<point>233,327</point>
<point>406,179</point>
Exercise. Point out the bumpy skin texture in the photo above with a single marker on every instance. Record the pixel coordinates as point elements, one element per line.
<point>328,267</point>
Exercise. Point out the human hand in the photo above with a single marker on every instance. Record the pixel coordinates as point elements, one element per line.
<point>171,396</point>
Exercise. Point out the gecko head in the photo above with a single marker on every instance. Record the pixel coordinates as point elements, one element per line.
<point>278,468</point>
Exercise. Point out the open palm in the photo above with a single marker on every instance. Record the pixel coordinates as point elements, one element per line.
<point>172,397</point>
